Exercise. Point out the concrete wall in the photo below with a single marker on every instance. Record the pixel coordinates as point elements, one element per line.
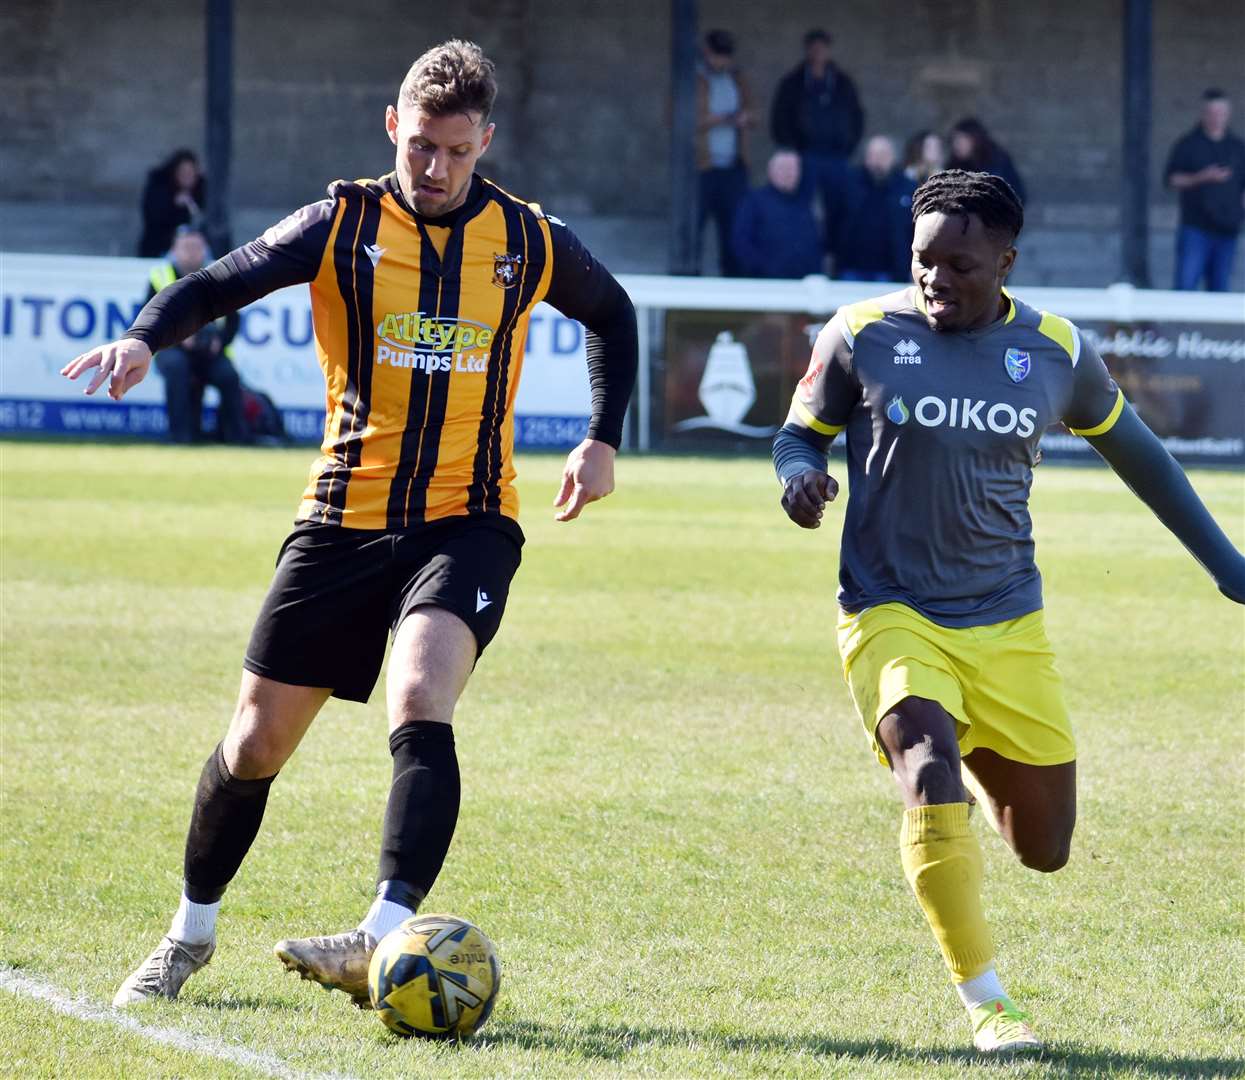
<point>93,92</point>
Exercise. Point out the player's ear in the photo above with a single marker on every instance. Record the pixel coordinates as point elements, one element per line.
<point>391,123</point>
<point>1007,260</point>
<point>486,138</point>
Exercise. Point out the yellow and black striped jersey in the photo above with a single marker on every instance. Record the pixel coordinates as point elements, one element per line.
<point>419,328</point>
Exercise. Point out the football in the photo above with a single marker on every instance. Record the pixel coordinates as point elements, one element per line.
<point>435,976</point>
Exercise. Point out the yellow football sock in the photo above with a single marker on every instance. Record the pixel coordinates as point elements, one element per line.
<point>942,862</point>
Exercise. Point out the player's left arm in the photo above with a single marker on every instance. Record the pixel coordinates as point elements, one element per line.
<point>581,288</point>
<point>1100,414</point>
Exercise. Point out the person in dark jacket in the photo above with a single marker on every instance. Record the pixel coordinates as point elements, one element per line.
<point>1207,167</point>
<point>173,197</point>
<point>817,113</point>
<point>973,150</point>
<point>201,360</point>
<point>874,241</point>
<point>775,233</point>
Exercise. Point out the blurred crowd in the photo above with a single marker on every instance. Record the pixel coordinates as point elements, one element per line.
<point>838,203</point>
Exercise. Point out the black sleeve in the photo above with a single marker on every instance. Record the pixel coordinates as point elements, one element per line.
<point>581,288</point>
<point>287,254</point>
<point>1178,160</point>
<point>783,121</point>
<point>797,450</point>
<point>856,113</point>
<point>1143,463</point>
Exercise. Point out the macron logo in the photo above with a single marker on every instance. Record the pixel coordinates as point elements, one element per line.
<point>907,352</point>
<point>482,600</point>
<point>374,252</point>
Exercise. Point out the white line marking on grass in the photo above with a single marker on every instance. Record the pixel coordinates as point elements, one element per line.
<point>202,1045</point>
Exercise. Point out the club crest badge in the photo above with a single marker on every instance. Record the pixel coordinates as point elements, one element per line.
<point>1017,364</point>
<point>506,270</point>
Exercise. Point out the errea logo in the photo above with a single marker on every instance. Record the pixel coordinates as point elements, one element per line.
<point>907,352</point>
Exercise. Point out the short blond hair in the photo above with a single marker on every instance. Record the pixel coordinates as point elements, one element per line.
<point>454,77</point>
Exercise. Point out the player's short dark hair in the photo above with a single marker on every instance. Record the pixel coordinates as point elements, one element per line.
<point>454,77</point>
<point>720,42</point>
<point>990,197</point>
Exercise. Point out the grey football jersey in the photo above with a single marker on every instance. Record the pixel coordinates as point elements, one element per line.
<point>942,436</point>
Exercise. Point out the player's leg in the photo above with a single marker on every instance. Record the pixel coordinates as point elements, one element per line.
<point>907,686</point>
<point>942,862</point>
<point>1033,807</point>
<point>457,582</point>
<point>268,722</point>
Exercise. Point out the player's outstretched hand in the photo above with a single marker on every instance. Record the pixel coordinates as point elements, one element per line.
<point>123,363</point>
<point>805,497</point>
<point>587,476</point>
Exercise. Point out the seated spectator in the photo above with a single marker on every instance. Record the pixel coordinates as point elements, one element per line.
<point>723,115</point>
<point>874,239</point>
<point>201,360</point>
<point>172,198</point>
<point>924,154</point>
<point>973,150</point>
<point>775,233</point>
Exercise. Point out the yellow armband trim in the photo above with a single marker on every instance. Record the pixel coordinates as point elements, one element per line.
<point>1107,424</point>
<point>811,422</point>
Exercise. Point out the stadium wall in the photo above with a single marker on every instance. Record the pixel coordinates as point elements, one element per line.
<point>96,91</point>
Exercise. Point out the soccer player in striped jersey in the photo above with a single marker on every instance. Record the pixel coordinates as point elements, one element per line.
<point>944,389</point>
<point>422,286</point>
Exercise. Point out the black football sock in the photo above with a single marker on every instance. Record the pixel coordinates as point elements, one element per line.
<point>223,825</point>
<point>421,813</point>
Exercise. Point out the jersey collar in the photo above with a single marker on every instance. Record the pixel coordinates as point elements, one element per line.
<point>475,201</point>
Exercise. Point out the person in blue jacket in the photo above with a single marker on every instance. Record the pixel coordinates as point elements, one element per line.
<point>775,234</point>
<point>873,239</point>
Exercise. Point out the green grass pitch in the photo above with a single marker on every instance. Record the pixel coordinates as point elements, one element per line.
<point>671,825</point>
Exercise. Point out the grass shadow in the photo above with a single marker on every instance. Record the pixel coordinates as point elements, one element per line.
<point>615,1042</point>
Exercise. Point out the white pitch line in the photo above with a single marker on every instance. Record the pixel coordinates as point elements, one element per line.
<point>202,1045</point>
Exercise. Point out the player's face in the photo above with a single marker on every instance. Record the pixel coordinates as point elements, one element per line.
<point>960,269</point>
<point>436,155</point>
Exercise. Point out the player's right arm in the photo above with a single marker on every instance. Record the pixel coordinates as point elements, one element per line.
<point>287,254</point>
<point>822,402</point>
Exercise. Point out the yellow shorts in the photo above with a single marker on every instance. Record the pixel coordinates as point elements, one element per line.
<point>999,682</point>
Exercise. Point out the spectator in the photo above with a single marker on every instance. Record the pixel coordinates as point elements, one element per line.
<point>874,241</point>
<point>723,114</point>
<point>201,360</point>
<point>1207,167</point>
<point>172,198</point>
<point>973,150</point>
<point>816,112</point>
<point>775,234</point>
<point>924,154</point>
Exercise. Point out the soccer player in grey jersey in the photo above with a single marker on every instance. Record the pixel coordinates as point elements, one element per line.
<point>944,389</point>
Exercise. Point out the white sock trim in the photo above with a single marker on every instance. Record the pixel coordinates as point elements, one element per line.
<point>195,924</point>
<point>977,991</point>
<point>383,916</point>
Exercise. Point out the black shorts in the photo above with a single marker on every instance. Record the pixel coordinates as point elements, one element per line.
<point>338,593</point>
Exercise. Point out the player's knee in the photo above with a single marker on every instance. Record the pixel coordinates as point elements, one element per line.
<point>253,749</point>
<point>417,696</point>
<point>1046,854</point>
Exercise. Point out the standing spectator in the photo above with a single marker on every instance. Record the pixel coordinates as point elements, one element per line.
<point>973,150</point>
<point>723,114</point>
<point>1207,167</point>
<point>924,154</point>
<point>817,112</point>
<point>775,234</point>
<point>172,197</point>
<point>200,360</point>
<point>874,240</point>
